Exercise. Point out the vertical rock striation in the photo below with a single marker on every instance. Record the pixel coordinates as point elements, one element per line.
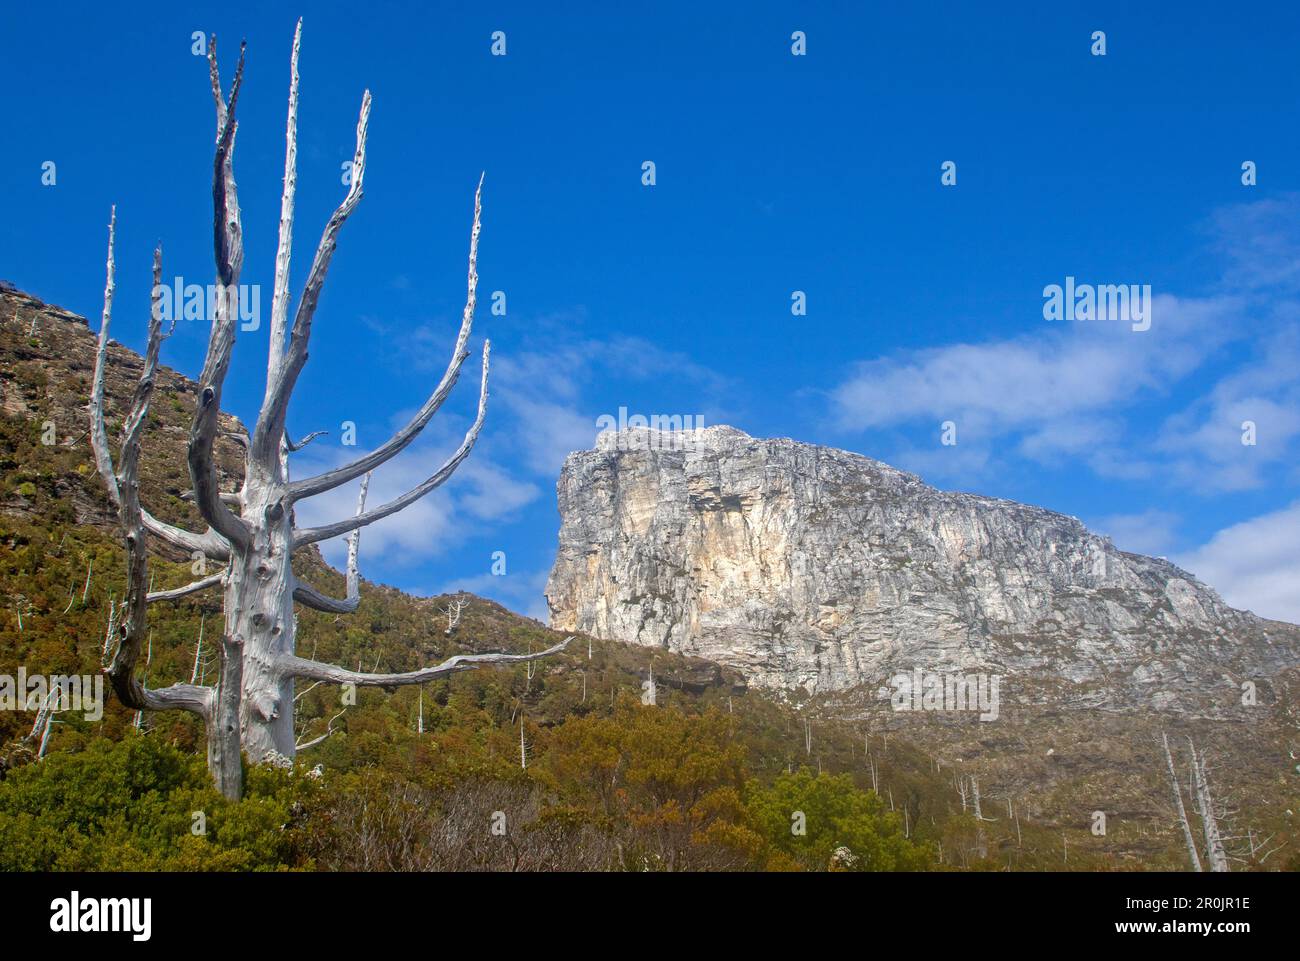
<point>808,567</point>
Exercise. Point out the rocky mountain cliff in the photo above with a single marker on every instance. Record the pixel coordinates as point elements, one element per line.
<point>813,568</point>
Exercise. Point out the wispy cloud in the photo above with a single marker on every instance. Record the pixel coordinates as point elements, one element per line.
<point>1082,393</point>
<point>1254,565</point>
<point>1247,422</point>
<point>1053,392</point>
<point>1152,532</point>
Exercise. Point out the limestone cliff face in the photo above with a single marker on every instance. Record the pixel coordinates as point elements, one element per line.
<point>808,567</point>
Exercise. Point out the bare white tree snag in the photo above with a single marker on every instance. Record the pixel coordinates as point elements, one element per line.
<point>453,611</point>
<point>109,632</point>
<point>44,718</point>
<point>329,730</point>
<point>1178,806</point>
<point>252,530</point>
<point>1215,856</point>
<point>198,653</point>
<point>975,800</point>
<point>523,748</point>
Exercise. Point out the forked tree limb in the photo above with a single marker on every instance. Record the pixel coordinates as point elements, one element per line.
<point>329,480</point>
<point>311,535</point>
<point>292,666</point>
<point>305,594</point>
<point>208,543</point>
<point>126,488</point>
<point>329,730</point>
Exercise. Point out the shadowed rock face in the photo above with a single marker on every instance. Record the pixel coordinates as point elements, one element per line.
<point>809,567</point>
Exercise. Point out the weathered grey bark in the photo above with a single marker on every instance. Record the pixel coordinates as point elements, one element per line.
<point>1180,808</point>
<point>252,530</point>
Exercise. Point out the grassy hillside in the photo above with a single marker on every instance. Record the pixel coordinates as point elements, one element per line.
<point>713,776</point>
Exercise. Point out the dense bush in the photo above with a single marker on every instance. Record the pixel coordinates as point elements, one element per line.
<point>644,789</point>
<point>142,805</point>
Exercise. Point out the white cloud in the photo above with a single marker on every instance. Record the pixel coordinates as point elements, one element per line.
<point>1061,390</point>
<point>1205,439</point>
<point>1254,565</point>
<point>548,431</point>
<point>1151,532</point>
<point>1259,243</point>
<point>1056,374</point>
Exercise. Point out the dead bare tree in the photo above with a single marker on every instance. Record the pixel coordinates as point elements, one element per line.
<point>252,531</point>
<point>1210,814</point>
<point>1215,856</point>
<point>40,731</point>
<point>452,611</point>
<point>1180,808</point>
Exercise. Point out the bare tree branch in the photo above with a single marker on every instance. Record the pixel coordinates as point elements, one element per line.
<point>311,535</point>
<point>207,543</point>
<point>228,245</point>
<point>399,441</point>
<point>292,666</point>
<point>282,378</point>
<point>125,488</point>
<point>304,442</point>
<point>306,594</point>
<point>98,433</point>
<point>329,729</point>
<point>284,250</point>
<point>193,588</point>
<point>227,497</point>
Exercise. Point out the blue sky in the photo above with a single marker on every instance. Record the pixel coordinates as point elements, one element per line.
<point>774,173</point>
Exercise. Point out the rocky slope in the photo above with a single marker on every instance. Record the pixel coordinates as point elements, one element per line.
<point>812,568</point>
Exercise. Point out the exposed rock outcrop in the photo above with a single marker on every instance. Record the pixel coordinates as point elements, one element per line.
<point>808,567</point>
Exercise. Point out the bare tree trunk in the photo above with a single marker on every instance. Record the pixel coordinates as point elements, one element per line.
<point>1215,855</point>
<point>1182,811</point>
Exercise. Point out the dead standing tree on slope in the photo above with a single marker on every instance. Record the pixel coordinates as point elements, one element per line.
<point>252,532</point>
